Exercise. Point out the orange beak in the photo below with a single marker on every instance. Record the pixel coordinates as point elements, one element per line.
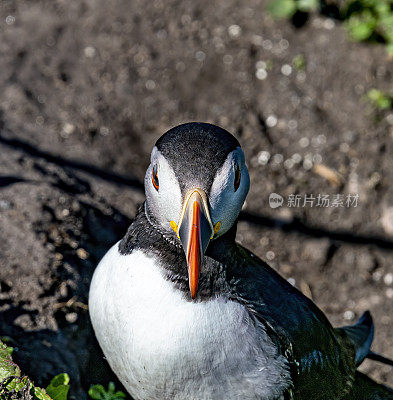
<point>195,231</point>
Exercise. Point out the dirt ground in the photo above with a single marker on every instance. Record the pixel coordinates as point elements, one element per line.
<point>87,87</point>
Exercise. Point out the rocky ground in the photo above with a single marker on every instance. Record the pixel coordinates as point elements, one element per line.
<point>86,89</point>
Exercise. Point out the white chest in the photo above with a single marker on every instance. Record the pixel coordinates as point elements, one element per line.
<point>164,347</point>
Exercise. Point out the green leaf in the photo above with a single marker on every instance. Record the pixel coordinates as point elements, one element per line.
<point>111,388</point>
<point>8,368</point>
<point>5,351</point>
<point>361,26</point>
<point>41,394</point>
<point>299,62</point>
<point>282,8</point>
<point>385,26</point>
<point>18,384</point>
<point>382,8</point>
<point>307,5</point>
<point>379,99</point>
<point>61,379</point>
<point>98,392</point>
<point>59,387</point>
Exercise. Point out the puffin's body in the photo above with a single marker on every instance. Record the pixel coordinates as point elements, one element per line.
<point>183,312</point>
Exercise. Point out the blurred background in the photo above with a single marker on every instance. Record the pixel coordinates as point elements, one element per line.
<point>87,87</point>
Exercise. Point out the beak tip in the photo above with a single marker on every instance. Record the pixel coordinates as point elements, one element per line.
<point>193,293</point>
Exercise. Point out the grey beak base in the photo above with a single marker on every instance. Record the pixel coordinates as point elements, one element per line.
<point>186,224</point>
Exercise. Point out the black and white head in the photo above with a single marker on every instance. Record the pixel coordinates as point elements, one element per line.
<point>195,186</point>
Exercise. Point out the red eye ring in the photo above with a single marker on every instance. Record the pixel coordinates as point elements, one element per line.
<point>154,177</point>
<point>238,177</point>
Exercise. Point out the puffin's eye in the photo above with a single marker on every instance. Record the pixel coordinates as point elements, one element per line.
<point>238,177</point>
<point>154,177</point>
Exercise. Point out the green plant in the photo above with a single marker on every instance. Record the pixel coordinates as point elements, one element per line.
<point>379,100</point>
<point>98,392</point>
<point>11,381</point>
<point>58,387</point>
<point>365,20</point>
<point>370,20</point>
<point>287,8</point>
<point>299,62</point>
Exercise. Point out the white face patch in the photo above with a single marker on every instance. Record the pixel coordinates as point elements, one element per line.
<point>167,200</point>
<point>226,202</point>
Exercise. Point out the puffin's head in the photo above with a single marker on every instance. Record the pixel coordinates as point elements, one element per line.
<point>195,186</point>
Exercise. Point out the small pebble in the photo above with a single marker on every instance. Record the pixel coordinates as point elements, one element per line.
<point>328,24</point>
<point>292,281</point>
<point>389,293</point>
<point>271,121</point>
<point>267,44</point>
<point>387,220</point>
<point>104,131</point>
<point>304,142</point>
<point>68,128</point>
<point>270,255</point>
<point>234,31</point>
<point>286,70</point>
<point>150,84</point>
<point>307,164</point>
<point>257,40</point>
<point>388,278</point>
<point>82,253</point>
<point>71,317</point>
<point>389,118</point>
<point>284,44</point>
<point>278,158</point>
<point>227,59</point>
<point>263,157</point>
<point>261,74</point>
<point>292,124</point>
<point>344,147</point>
<point>377,275</point>
<point>264,241</point>
<point>349,315</point>
<point>90,51</point>
<point>296,158</point>
<point>321,139</point>
<point>5,205</point>
<point>289,163</point>
<point>260,64</point>
<point>10,20</point>
<point>200,55</point>
<point>317,158</point>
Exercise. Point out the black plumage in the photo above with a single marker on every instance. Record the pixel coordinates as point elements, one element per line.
<point>196,150</point>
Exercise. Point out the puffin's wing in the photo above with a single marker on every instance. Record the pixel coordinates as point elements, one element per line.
<point>365,388</point>
<point>361,335</point>
<point>322,360</point>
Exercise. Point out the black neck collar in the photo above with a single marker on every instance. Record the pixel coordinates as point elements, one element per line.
<point>146,235</point>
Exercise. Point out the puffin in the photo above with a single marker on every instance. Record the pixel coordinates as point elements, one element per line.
<point>184,312</point>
